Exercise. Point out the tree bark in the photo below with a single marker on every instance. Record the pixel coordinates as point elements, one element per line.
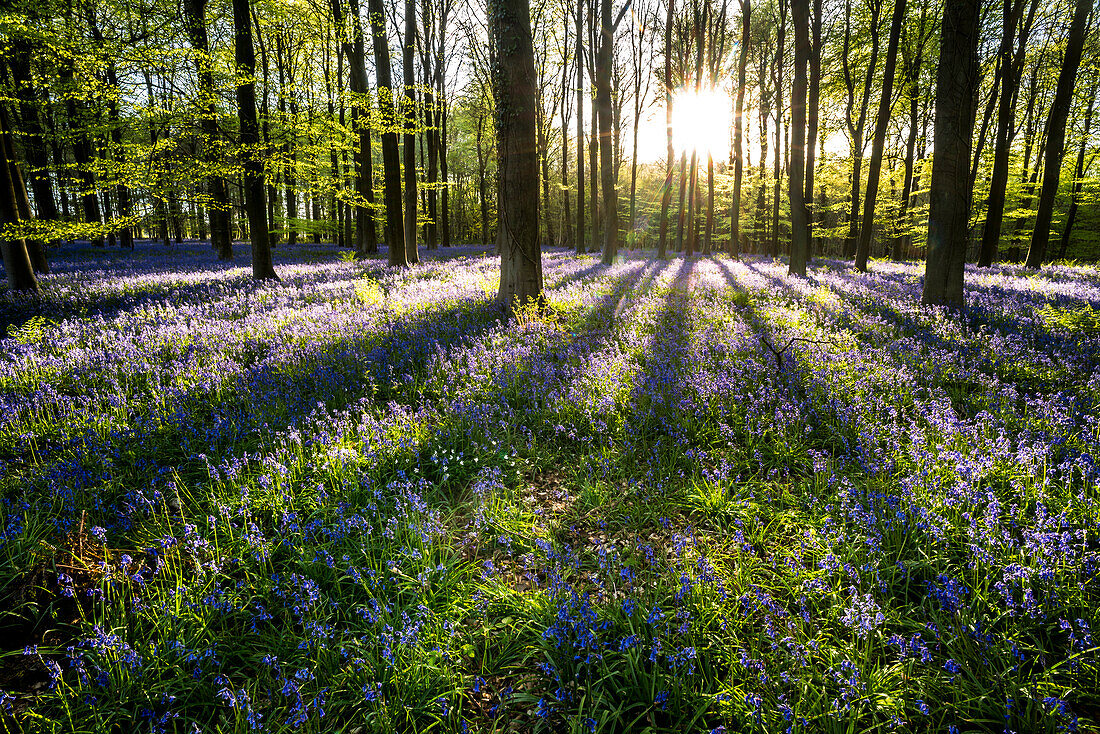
<point>82,156</point>
<point>391,163</point>
<point>1012,64</point>
<point>780,54</point>
<point>1056,134</point>
<point>800,223</point>
<point>514,90</point>
<point>254,184</point>
<point>738,129</point>
<point>567,220</point>
<point>957,80</point>
<point>1078,179</point>
<point>670,160</point>
<point>36,249</point>
<point>218,192</point>
<point>878,141</point>
<point>409,124</point>
<point>856,127</point>
<point>17,259</point>
<point>579,56</point>
<point>813,102</point>
<point>607,161</point>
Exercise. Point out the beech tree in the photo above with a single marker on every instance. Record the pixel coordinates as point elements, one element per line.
<point>517,161</point>
<point>956,107</point>
<point>1056,134</point>
<point>254,184</point>
<point>391,164</point>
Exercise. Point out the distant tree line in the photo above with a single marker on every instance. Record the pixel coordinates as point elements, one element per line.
<point>368,123</point>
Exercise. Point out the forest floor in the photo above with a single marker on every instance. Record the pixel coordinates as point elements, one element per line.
<point>690,495</point>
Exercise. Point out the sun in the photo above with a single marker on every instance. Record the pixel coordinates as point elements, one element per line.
<point>701,120</point>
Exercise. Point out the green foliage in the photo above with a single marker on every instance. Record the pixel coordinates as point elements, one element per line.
<point>1083,320</point>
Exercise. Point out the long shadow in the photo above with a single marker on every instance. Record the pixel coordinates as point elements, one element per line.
<point>537,372</point>
<point>187,261</point>
<point>261,401</point>
<point>595,267</point>
<point>273,396</point>
<point>659,396</point>
<point>795,375</point>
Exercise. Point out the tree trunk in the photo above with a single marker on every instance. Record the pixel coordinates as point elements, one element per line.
<point>998,182</point>
<point>16,257</point>
<point>36,249</point>
<point>878,141</point>
<point>681,213</point>
<point>813,102</point>
<point>912,60</point>
<point>670,161</point>
<point>780,54</point>
<point>949,200</point>
<point>445,199</point>
<point>218,203</point>
<point>514,89</point>
<point>1056,134</point>
<point>1078,179</point>
<point>738,129</point>
<point>254,185</point>
<point>82,156</point>
<point>800,223</point>
<point>391,163</point>
<point>857,126</point>
<point>567,222</point>
<point>482,184</point>
<point>579,56</point>
<point>409,123</point>
<point>607,161</point>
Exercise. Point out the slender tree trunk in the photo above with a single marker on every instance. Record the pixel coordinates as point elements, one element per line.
<point>913,58</point>
<point>957,82</point>
<point>780,54</point>
<point>34,139</point>
<point>17,261</point>
<point>22,259</point>
<point>607,161</point>
<point>1006,114</point>
<point>761,191</point>
<point>217,190</point>
<point>567,224</point>
<point>681,213</point>
<point>254,186</point>
<point>878,140</point>
<point>813,102</point>
<point>1056,134</point>
<point>857,126</point>
<point>800,223</point>
<point>482,184</point>
<point>670,161</point>
<point>409,104</point>
<point>514,88</point>
<point>391,163</point>
<point>82,156</point>
<point>366,233</point>
<point>987,118</point>
<point>1028,181</point>
<point>274,229</point>
<point>738,129</point>
<point>1078,179</point>
<point>579,56</point>
<point>593,184</point>
<point>445,199</point>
